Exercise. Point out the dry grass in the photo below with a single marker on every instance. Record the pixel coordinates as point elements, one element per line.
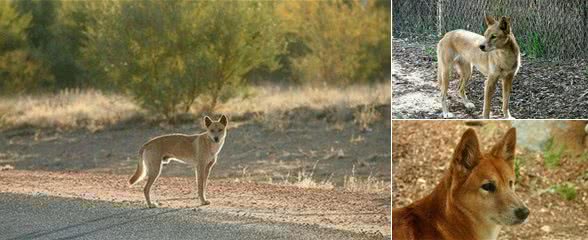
<point>67,109</point>
<point>93,109</point>
<point>370,184</point>
<point>306,179</point>
<point>271,99</point>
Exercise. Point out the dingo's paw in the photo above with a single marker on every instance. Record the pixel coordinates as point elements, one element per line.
<point>153,205</point>
<point>205,202</point>
<point>447,115</point>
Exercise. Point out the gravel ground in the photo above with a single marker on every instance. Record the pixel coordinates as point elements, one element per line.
<point>42,217</point>
<point>543,89</point>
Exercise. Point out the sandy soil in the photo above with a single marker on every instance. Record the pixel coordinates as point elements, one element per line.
<point>542,89</point>
<point>421,153</point>
<point>359,212</point>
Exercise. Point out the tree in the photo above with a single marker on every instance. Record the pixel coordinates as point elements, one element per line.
<point>20,70</point>
<point>345,39</point>
<point>166,54</point>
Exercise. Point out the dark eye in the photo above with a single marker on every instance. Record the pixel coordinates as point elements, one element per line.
<point>489,187</point>
<point>493,37</point>
<point>511,183</point>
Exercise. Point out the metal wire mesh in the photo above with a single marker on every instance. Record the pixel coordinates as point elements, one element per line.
<point>544,28</point>
<point>414,17</point>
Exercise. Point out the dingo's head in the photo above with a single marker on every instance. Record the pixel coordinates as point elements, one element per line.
<point>216,130</point>
<point>483,185</point>
<point>497,34</point>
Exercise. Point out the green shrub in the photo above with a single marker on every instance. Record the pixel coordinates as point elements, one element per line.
<point>167,54</point>
<point>552,154</point>
<point>533,46</point>
<point>566,190</point>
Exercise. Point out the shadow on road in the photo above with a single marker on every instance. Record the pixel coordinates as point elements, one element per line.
<point>114,219</point>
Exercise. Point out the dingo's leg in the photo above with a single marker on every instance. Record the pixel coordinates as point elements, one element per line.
<point>153,164</point>
<point>465,74</point>
<point>489,89</point>
<point>506,89</point>
<point>201,175</point>
<point>443,74</point>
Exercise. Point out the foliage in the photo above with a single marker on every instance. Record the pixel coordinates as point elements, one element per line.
<point>565,190</point>
<point>20,69</point>
<point>344,39</point>
<point>552,154</point>
<point>166,54</point>
<point>533,46</point>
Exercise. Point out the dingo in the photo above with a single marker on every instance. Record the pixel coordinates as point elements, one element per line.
<point>474,198</point>
<point>496,55</point>
<point>202,149</point>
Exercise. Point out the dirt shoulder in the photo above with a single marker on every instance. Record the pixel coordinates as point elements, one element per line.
<point>273,147</point>
<point>366,213</point>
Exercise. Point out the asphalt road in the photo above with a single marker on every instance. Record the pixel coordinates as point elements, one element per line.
<point>42,217</point>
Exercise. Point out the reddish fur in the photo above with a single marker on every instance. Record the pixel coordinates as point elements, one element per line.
<point>438,215</point>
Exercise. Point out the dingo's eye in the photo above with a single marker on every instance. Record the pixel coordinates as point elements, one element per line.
<point>493,36</point>
<point>489,187</point>
<point>511,183</point>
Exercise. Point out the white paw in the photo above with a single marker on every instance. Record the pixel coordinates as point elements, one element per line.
<point>447,115</point>
<point>469,105</point>
<point>153,205</point>
<point>205,202</point>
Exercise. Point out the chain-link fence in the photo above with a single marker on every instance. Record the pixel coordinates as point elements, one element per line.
<point>544,28</point>
<point>414,17</point>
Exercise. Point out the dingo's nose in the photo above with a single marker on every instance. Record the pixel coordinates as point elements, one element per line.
<point>483,47</point>
<point>522,213</point>
<point>216,139</point>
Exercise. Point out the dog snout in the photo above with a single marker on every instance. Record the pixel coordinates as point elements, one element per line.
<point>522,213</point>
<point>483,47</point>
<point>215,139</point>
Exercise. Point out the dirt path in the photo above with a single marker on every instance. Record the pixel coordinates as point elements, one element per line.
<point>366,213</point>
<point>548,88</point>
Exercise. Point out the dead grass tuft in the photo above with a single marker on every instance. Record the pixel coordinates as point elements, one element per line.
<point>67,109</point>
<point>93,110</point>
<point>270,99</point>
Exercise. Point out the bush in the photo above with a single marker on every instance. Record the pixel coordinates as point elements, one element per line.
<point>348,41</point>
<point>20,68</point>
<point>166,54</point>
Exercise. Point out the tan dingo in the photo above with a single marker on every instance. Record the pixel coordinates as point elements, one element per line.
<point>496,55</point>
<point>202,149</point>
<point>474,198</point>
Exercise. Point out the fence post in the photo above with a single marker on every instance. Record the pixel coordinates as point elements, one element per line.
<point>440,13</point>
<point>585,28</point>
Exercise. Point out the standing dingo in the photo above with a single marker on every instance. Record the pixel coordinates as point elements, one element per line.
<point>474,198</point>
<point>496,55</point>
<point>202,149</point>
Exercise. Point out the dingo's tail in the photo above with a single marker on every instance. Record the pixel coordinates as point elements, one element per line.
<point>139,173</point>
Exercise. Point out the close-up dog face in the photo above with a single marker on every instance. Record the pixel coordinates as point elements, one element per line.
<point>216,130</point>
<point>485,186</point>
<point>497,33</point>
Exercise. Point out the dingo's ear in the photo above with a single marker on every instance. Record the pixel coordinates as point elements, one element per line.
<point>505,149</point>
<point>223,120</point>
<point>467,153</point>
<point>505,24</point>
<point>207,121</point>
<point>490,20</point>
